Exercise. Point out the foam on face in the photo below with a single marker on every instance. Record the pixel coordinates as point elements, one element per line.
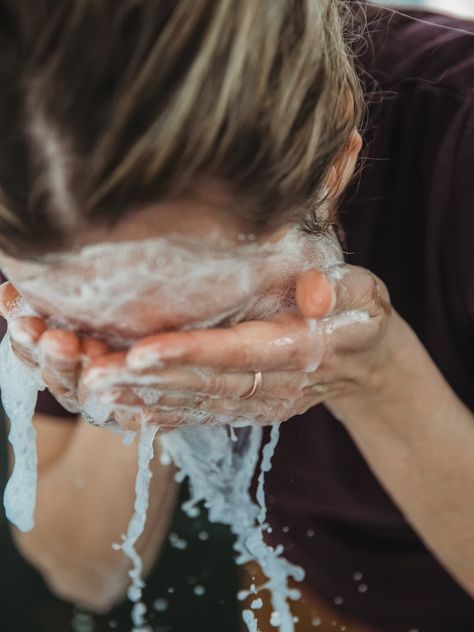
<point>135,289</point>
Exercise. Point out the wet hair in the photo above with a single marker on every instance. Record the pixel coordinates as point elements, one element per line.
<point>110,105</point>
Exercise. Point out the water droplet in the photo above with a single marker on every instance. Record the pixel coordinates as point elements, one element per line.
<point>338,601</point>
<point>362,588</point>
<point>199,590</point>
<point>310,533</point>
<point>203,535</point>
<point>275,619</point>
<point>82,622</point>
<point>160,605</point>
<point>177,542</point>
<point>358,576</point>
<point>316,622</point>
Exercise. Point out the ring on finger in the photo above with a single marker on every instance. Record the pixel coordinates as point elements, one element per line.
<point>256,387</point>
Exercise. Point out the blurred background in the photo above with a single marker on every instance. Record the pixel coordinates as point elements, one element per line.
<point>460,7</point>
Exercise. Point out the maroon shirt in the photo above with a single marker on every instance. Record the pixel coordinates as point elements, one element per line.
<point>410,220</point>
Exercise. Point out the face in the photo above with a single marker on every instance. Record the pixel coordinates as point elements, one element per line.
<point>179,265</point>
<point>200,273</point>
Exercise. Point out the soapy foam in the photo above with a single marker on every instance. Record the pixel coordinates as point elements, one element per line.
<point>19,386</point>
<point>137,288</point>
<point>220,472</point>
<point>137,525</point>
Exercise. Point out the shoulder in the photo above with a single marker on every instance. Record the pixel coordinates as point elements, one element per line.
<point>428,49</point>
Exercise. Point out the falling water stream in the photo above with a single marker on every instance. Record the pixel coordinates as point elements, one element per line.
<point>219,461</point>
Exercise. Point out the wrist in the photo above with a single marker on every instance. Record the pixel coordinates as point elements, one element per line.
<point>400,378</point>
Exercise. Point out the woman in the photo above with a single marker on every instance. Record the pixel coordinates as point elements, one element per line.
<point>216,131</point>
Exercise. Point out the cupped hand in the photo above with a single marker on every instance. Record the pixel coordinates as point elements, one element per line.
<point>330,349</point>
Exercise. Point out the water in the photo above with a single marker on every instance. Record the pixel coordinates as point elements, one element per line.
<point>220,472</point>
<point>219,463</point>
<point>19,386</point>
<point>137,524</point>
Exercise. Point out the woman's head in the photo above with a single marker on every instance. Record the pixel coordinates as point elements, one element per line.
<point>109,107</point>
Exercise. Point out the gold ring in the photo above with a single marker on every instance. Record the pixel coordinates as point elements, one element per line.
<point>257,385</point>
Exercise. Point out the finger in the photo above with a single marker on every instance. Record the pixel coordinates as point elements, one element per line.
<point>360,290</point>
<point>224,410</point>
<point>154,400</point>
<point>352,288</point>
<point>205,382</point>
<point>249,346</point>
<point>92,349</point>
<point>314,295</point>
<point>105,370</point>
<point>60,356</point>
<point>127,420</point>
<point>9,297</point>
<point>25,333</point>
<point>179,418</point>
<point>211,412</point>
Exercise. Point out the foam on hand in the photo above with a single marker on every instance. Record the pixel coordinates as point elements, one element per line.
<point>19,386</point>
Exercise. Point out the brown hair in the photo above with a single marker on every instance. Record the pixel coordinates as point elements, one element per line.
<point>107,105</point>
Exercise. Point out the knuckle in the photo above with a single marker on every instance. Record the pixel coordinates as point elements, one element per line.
<point>377,292</point>
<point>218,384</point>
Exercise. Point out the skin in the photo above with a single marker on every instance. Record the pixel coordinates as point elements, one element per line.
<point>372,373</point>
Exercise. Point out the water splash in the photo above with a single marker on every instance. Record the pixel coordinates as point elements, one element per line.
<point>137,525</point>
<point>19,386</point>
<point>219,463</point>
<point>220,472</point>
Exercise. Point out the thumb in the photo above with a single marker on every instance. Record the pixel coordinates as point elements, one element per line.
<point>315,295</point>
